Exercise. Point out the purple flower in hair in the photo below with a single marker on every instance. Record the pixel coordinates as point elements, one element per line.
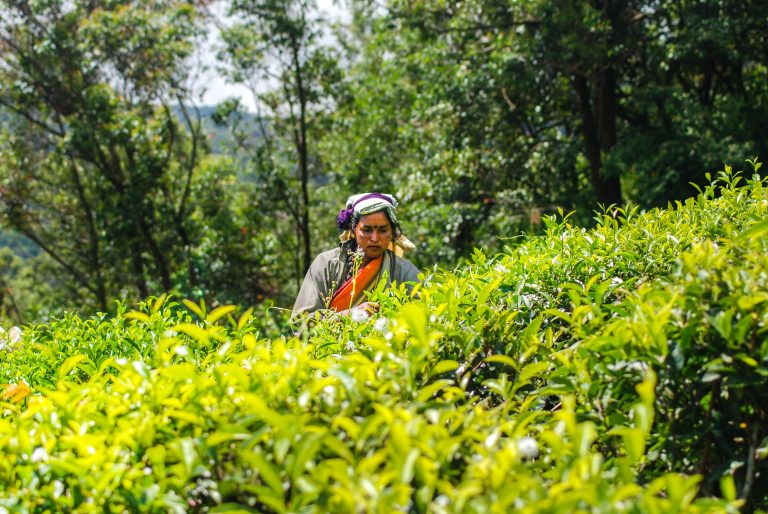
<point>344,221</point>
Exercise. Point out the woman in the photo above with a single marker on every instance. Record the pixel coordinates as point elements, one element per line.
<point>371,247</point>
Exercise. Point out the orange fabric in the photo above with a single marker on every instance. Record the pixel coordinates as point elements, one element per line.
<point>343,299</point>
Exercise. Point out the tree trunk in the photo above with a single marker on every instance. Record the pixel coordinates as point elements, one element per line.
<point>93,236</point>
<point>301,147</point>
<point>157,254</point>
<point>607,108</point>
<point>179,213</point>
<point>138,269</point>
<point>599,132</point>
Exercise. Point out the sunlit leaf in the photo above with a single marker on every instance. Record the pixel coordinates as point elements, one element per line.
<point>219,312</point>
<point>138,316</point>
<point>444,367</point>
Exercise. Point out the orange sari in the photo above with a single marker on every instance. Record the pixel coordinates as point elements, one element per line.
<point>350,293</point>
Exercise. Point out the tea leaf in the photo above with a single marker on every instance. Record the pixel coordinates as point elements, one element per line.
<point>757,230</point>
<point>502,359</point>
<point>244,318</point>
<point>444,367</point>
<point>219,313</point>
<point>138,316</point>
<point>192,306</point>
<point>68,365</point>
<point>193,331</point>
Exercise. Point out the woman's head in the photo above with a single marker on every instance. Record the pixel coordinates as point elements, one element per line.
<point>370,221</point>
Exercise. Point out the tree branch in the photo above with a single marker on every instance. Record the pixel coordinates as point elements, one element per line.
<point>195,131</point>
<point>56,257</point>
<point>31,118</point>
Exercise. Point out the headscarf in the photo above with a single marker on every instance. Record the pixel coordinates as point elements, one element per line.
<point>368,203</point>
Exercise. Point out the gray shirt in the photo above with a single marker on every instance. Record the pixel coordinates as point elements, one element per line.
<point>327,273</point>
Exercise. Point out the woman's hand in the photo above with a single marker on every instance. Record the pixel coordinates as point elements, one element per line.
<point>369,307</point>
<point>366,308</point>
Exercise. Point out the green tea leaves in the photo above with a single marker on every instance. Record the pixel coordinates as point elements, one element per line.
<point>595,370</point>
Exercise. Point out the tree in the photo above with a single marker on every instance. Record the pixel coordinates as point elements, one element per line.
<point>274,48</point>
<point>429,114</point>
<point>697,99</point>
<point>550,104</point>
<point>97,168</point>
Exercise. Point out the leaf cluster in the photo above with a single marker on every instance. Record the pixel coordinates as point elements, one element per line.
<point>621,368</point>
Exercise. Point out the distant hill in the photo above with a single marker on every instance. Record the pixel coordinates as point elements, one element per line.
<point>18,244</point>
<point>219,135</point>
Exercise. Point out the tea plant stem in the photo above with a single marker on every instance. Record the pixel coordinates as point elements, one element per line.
<point>750,475</point>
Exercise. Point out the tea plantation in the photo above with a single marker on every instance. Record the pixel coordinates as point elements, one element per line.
<point>618,369</point>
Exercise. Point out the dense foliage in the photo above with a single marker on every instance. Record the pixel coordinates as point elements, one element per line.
<point>480,116</point>
<point>622,368</point>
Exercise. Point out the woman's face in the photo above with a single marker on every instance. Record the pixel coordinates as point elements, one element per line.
<point>373,234</point>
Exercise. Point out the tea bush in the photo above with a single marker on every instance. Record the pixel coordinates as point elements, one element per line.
<point>618,369</point>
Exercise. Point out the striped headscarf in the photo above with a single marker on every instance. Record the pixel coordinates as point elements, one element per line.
<point>368,203</point>
<point>364,204</point>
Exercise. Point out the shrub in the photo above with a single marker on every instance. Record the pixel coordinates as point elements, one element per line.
<point>621,368</point>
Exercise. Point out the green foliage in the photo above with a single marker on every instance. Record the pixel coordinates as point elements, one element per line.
<point>481,116</point>
<point>485,114</point>
<point>109,179</point>
<point>274,48</point>
<point>621,368</point>
<point>96,169</point>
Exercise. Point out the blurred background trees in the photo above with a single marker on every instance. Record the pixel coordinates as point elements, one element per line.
<point>97,169</point>
<point>480,116</point>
